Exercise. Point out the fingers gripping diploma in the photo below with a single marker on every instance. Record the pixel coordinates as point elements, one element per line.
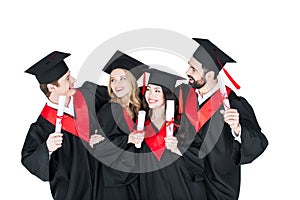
<point>136,137</point>
<point>54,141</point>
<point>171,144</point>
<point>231,117</point>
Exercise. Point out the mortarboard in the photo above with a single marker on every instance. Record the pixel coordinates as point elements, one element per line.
<point>162,78</point>
<point>122,60</point>
<point>210,55</point>
<point>50,68</point>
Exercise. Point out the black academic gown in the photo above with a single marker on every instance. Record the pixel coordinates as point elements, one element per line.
<point>116,157</point>
<point>170,176</point>
<point>70,169</point>
<point>95,97</point>
<point>67,169</point>
<point>223,155</point>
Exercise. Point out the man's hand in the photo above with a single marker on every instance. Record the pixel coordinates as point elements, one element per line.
<point>96,138</point>
<point>231,117</point>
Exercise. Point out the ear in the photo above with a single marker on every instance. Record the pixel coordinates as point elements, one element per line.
<point>210,75</point>
<point>51,87</point>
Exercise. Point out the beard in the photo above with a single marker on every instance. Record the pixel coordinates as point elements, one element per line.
<point>197,84</point>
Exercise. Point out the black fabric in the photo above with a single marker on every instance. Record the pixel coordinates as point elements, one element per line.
<point>124,61</point>
<point>222,160</point>
<point>210,55</point>
<point>161,78</point>
<point>115,160</point>
<point>174,177</point>
<point>68,169</point>
<point>50,68</point>
<point>71,169</point>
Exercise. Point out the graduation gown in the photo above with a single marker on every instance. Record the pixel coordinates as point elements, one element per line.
<point>223,155</point>
<point>168,176</point>
<point>70,169</point>
<point>67,169</point>
<point>95,97</point>
<point>116,166</point>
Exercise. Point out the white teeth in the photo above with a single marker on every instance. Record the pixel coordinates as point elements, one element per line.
<point>119,89</point>
<point>152,101</point>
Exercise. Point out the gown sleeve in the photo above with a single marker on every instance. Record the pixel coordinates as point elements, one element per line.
<point>115,152</point>
<point>253,141</point>
<point>35,155</point>
<point>189,144</point>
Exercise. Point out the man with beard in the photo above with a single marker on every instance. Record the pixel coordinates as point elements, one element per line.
<point>227,124</point>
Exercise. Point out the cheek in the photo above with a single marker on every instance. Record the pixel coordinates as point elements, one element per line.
<point>161,100</point>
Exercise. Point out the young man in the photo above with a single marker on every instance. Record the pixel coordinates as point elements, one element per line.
<point>61,157</point>
<point>228,127</point>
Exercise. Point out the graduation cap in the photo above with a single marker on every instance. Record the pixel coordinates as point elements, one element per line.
<point>212,57</point>
<point>162,78</point>
<point>122,60</point>
<point>50,68</point>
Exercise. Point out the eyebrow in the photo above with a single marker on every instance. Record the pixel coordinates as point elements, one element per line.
<point>155,87</point>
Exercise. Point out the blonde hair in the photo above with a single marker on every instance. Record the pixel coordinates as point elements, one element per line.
<point>134,100</point>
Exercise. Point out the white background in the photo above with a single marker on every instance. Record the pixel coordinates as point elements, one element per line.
<point>262,36</point>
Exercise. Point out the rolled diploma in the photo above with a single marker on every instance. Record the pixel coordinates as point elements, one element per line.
<point>60,112</point>
<point>140,126</point>
<point>224,92</point>
<point>170,117</point>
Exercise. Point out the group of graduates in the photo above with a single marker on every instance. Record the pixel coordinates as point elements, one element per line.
<point>101,153</point>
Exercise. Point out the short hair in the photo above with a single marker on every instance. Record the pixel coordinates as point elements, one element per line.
<point>45,89</point>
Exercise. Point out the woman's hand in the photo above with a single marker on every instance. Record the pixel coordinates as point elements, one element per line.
<point>136,137</point>
<point>171,144</point>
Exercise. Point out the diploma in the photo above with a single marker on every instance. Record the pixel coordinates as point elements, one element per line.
<point>170,117</point>
<point>223,90</point>
<point>60,113</point>
<point>140,126</point>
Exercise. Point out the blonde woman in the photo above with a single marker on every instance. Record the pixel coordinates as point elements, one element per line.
<point>117,121</point>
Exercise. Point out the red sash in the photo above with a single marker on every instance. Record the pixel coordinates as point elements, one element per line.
<point>82,117</point>
<point>128,120</point>
<point>156,142</point>
<point>68,122</point>
<point>200,117</point>
<point>78,127</point>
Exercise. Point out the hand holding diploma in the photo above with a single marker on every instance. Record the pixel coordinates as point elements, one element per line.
<point>54,140</point>
<point>171,141</point>
<point>137,137</point>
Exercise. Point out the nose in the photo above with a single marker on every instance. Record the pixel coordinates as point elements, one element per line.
<point>188,72</point>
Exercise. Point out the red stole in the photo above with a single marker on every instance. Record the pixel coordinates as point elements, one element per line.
<point>200,117</point>
<point>128,120</point>
<point>78,127</point>
<point>155,141</point>
<point>82,116</point>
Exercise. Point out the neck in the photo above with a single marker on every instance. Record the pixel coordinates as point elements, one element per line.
<point>54,100</point>
<point>208,87</point>
<point>158,116</point>
<point>124,101</point>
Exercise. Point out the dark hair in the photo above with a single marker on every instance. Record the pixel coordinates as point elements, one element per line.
<point>168,95</point>
<point>208,69</point>
<point>45,90</point>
